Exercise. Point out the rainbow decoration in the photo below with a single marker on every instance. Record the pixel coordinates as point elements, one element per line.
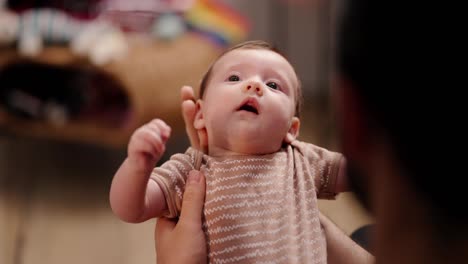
<point>218,21</point>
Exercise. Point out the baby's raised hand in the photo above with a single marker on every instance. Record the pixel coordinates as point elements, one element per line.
<point>148,143</point>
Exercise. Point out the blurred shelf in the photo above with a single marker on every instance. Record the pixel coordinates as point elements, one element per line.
<point>151,75</point>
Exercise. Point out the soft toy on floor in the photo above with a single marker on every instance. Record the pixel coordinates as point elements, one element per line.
<point>99,40</point>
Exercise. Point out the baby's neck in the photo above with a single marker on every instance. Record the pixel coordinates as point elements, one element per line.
<point>216,151</point>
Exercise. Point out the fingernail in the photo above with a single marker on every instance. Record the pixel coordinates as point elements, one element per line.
<point>194,176</point>
<point>167,132</point>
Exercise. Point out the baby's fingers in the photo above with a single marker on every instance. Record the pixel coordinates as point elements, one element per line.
<point>146,141</point>
<point>155,140</point>
<point>161,128</point>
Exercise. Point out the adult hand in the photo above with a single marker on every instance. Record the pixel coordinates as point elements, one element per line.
<point>184,242</point>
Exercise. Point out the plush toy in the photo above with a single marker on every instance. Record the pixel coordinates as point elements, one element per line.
<point>32,29</point>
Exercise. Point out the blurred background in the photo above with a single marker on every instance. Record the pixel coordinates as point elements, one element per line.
<point>77,77</point>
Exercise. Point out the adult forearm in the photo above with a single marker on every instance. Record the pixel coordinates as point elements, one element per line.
<point>341,248</point>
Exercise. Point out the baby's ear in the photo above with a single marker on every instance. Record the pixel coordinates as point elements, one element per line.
<point>199,121</point>
<point>293,131</point>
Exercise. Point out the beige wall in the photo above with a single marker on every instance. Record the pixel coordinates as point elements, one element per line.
<point>300,30</point>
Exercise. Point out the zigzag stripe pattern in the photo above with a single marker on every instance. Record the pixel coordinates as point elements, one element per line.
<point>310,213</point>
<point>260,209</point>
<point>246,167</point>
<point>304,257</point>
<point>299,237</point>
<point>288,193</point>
<point>231,162</point>
<point>263,202</point>
<point>289,190</point>
<point>269,251</point>
<point>238,185</point>
<point>243,215</point>
<point>243,204</point>
<point>222,229</point>
<point>223,197</point>
<point>268,232</point>
<point>250,175</point>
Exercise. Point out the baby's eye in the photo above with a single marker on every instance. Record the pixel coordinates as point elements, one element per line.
<point>233,78</point>
<point>273,85</point>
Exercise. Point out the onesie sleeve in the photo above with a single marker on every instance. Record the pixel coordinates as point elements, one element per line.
<point>171,177</point>
<point>325,165</point>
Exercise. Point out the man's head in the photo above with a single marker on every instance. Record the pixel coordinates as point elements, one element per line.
<point>388,62</point>
<point>249,101</point>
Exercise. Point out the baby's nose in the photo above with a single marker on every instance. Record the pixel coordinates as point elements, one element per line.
<point>254,87</point>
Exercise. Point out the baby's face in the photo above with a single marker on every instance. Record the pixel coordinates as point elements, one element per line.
<point>249,103</point>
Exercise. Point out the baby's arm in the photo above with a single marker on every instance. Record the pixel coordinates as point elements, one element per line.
<point>133,196</point>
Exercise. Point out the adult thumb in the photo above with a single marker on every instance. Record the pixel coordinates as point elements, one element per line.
<point>193,200</point>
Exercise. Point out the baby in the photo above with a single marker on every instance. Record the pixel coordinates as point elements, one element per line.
<point>261,183</point>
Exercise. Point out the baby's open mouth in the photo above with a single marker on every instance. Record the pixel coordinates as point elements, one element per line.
<point>249,105</point>
<point>249,108</point>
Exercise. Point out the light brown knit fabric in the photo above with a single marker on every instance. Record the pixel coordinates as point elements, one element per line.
<point>259,209</point>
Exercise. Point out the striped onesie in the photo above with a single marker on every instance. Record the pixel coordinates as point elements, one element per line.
<point>258,208</point>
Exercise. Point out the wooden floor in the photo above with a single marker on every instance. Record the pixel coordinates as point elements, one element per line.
<point>54,207</point>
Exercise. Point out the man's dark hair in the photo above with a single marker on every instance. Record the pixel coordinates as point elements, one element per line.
<point>393,57</point>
